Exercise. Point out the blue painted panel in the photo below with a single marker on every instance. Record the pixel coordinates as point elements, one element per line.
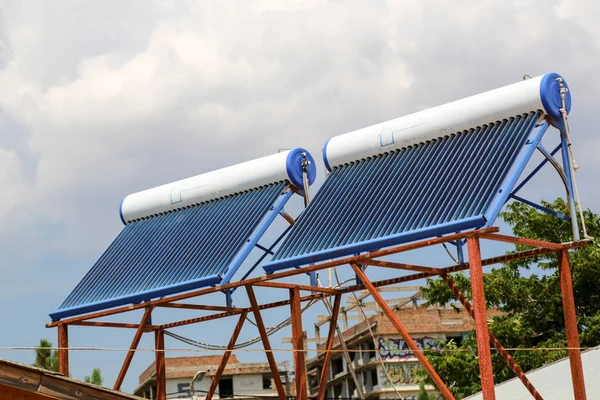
<point>441,186</point>
<point>171,253</point>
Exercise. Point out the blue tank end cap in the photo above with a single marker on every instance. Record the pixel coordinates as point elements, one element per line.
<point>293,166</point>
<point>550,95</point>
<point>121,211</point>
<point>325,155</point>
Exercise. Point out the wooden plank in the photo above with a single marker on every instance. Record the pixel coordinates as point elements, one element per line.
<point>10,393</point>
<point>65,389</point>
<point>20,378</point>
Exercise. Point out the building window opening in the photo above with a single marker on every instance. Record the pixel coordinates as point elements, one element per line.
<point>371,348</point>
<point>374,376</point>
<point>183,390</point>
<point>267,382</point>
<point>337,392</point>
<point>225,388</point>
<point>337,366</point>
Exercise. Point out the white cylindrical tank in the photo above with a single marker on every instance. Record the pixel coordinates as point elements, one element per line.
<point>540,93</point>
<point>286,165</point>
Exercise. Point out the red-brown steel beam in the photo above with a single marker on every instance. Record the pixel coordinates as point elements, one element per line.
<point>284,274</point>
<point>103,324</point>
<point>298,345</point>
<point>454,268</point>
<point>161,376</point>
<point>265,341</point>
<point>385,307</point>
<point>281,285</point>
<point>225,359</point>
<point>401,266</point>
<point>493,340</point>
<point>288,218</point>
<point>523,241</point>
<point>570,315</point>
<point>481,326</point>
<point>63,349</point>
<point>385,282</point>
<point>200,307</point>
<point>134,344</point>
<point>329,346</point>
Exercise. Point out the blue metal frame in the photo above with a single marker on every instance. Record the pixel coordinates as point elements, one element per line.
<point>375,244</point>
<point>260,260</point>
<point>566,159</point>
<point>535,170</point>
<point>512,179</point>
<point>243,254</point>
<point>540,207</point>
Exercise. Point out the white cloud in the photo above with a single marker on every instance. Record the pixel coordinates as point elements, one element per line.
<point>117,96</point>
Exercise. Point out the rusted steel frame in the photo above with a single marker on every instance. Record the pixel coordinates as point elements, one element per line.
<point>114,325</point>
<point>407,267</point>
<point>404,333</point>
<point>200,307</point>
<point>161,376</point>
<point>63,349</point>
<point>288,218</point>
<point>266,344</point>
<point>298,345</point>
<point>225,359</point>
<point>570,315</point>
<point>200,319</point>
<point>493,340</point>
<point>523,241</point>
<point>134,344</point>
<point>481,326</point>
<point>454,268</point>
<point>329,346</point>
<point>385,282</point>
<point>300,287</point>
<point>278,275</point>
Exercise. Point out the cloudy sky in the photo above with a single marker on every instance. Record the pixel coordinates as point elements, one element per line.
<point>101,99</point>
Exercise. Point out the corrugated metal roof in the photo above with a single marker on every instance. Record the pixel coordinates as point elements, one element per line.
<point>433,188</point>
<point>553,381</point>
<point>171,253</point>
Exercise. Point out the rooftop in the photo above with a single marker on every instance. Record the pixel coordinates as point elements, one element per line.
<point>18,381</point>
<point>553,381</point>
<point>420,320</point>
<point>186,367</point>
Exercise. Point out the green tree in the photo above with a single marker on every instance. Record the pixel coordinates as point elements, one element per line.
<point>531,301</point>
<point>423,393</point>
<point>96,378</point>
<point>45,357</point>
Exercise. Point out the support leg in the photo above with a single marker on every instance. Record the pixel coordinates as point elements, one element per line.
<point>298,345</point>
<point>63,353</point>
<point>223,364</point>
<point>494,340</point>
<point>481,326</point>
<point>566,288</point>
<point>131,352</point>
<point>265,341</point>
<point>404,333</point>
<point>329,346</point>
<point>161,382</point>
